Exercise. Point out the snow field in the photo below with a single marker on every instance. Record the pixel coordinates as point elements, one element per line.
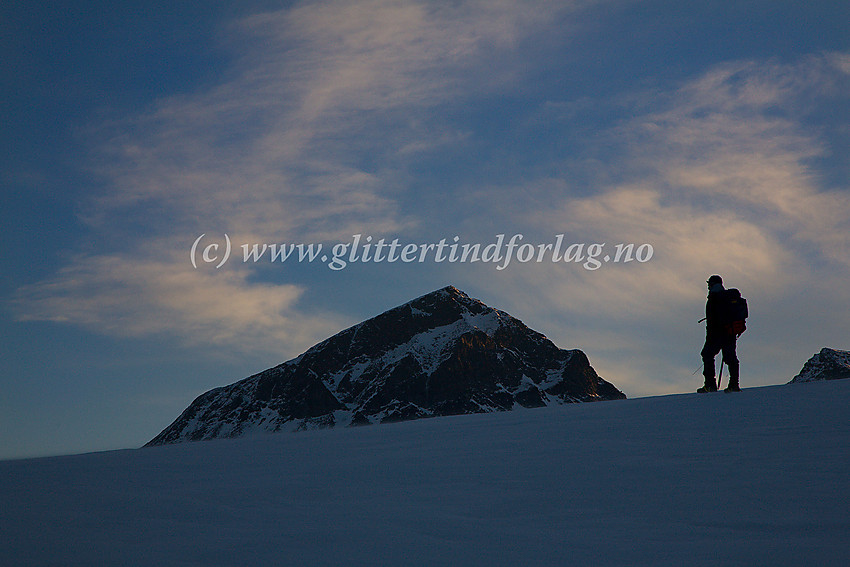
<point>757,478</point>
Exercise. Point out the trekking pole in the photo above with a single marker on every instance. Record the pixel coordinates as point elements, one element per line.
<point>720,376</point>
<point>694,373</point>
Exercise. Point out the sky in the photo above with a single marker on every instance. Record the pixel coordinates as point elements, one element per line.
<point>138,139</point>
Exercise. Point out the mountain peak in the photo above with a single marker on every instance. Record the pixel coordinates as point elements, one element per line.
<point>447,295</point>
<point>443,353</point>
<point>828,364</point>
<point>449,290</point>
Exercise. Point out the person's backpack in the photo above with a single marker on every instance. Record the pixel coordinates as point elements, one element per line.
<point>736,312</point>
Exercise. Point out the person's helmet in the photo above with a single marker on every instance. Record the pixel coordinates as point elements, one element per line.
<point>714,280</point>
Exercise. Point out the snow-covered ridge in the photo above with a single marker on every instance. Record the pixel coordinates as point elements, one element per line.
<point>442,353</point>
<point>430,348</point>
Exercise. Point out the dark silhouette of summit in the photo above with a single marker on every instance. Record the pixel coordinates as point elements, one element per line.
<point>441,354</point>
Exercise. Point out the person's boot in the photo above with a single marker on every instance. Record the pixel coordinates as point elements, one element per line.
<point>733,386</point>
<point>709,386</point>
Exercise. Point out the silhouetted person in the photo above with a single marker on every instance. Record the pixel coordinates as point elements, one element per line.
<point>719,337</point>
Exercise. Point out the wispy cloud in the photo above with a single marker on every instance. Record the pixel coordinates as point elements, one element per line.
<point>305,139</point>
<point>737,136</point>
<point>717,176</point>
<point>316,91</point>
<point>120,297</point>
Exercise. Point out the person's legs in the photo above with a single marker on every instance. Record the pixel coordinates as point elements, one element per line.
<point>709,351</point>
<point>731,359</point>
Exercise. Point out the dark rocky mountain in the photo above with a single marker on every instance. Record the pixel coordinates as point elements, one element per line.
<point>828,364</point>
<point>441,354</point>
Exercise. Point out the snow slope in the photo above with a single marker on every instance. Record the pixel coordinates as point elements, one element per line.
<point>757,478</point>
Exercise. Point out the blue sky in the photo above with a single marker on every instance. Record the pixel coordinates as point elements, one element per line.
<point>717,132</point>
